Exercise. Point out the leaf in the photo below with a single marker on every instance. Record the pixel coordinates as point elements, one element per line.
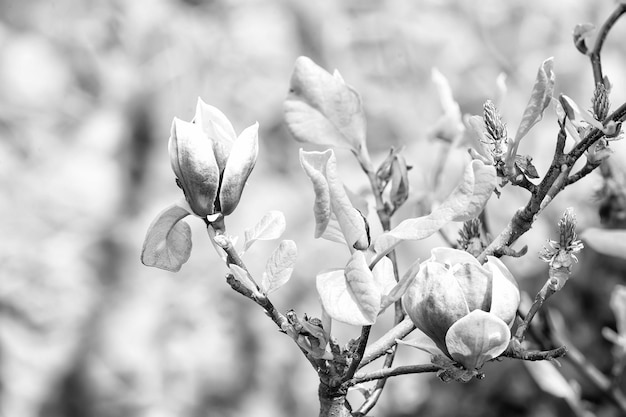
<point>242,276</point>
<point>362,286</point>
<point>551,380</point>
<point>606,242</point>
<point>271,226</point>
<point>618,305</point>
<point>279,266</point>
<point>167,244</point>
<point>333,232</point>
<point>481,180</point>
<point>314,165</point>
<point>465,202</point>
<point>330,194</point>
<point>384,277</point>
<point>398,290</point>
<point>476,338</point>
<point>450,125</point>
<point>539,99</point>
<point>575,114</point>
<point>337,301</point>
<point>322,109</point>
<point>423,343</point>
<point>351,221</point>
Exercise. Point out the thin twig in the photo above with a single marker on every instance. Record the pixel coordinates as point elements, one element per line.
<point>583,172</point>
<point>384,214</point>
<point>358,354</point>
<point>535,355</point>
<point>375,394</point>
<point>389,372</point>
<point>382,345</point>
<point>543,294</point>
<point>232,257</point>
<point>594,55</point>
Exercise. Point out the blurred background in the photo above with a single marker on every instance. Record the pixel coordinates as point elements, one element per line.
<point>88,91</point>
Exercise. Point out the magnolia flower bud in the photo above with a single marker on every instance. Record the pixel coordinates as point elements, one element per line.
<point>211,164</point>
<point>466,308</point>
<point>194,165</point>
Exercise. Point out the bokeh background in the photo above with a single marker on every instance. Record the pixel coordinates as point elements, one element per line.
<point>88,91</point>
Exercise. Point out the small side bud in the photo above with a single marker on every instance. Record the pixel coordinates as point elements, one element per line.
<point>582,33</point>
<point>598,152</point>
<point>399,181</point>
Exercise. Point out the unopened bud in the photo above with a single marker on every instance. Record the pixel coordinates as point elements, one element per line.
<point>399,181</point>
<point>600,102</point>
<point>582,32</point>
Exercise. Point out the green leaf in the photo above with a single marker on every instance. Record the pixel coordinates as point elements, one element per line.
<point>551,380</point>
<point>279,266</point>
<point>333,232</point>
<point>606,242</point>
<point>450,125</point>
<point>465,202</point>
<point>322,109</point>
<point>384,277</point>
<point>618,305</point>
<point>401,287</point>
<point>539,99</point>
<point>476,338</point>
<point>338,301</point>
<point>271,226</point>
<point>167,244</point>
<point>362,286</point>
<point>314,165</point>
<point>330,195</point>
<point>242,276</point>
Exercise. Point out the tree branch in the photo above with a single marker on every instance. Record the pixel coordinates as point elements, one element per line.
<point>389,372</point>
<point>387,341</point>
<point>358,354</point>
<point>232,257</point>
<point>583,172</point>
<point>594,55</point>
<point>535,355</point>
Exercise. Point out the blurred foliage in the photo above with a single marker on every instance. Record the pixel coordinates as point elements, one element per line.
<point>87,94</point>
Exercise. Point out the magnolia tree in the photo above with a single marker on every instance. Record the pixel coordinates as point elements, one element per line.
<point>463,299</point>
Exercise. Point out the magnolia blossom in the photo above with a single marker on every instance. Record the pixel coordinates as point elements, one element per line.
<point>211,163</point>
<point>466,308</point>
